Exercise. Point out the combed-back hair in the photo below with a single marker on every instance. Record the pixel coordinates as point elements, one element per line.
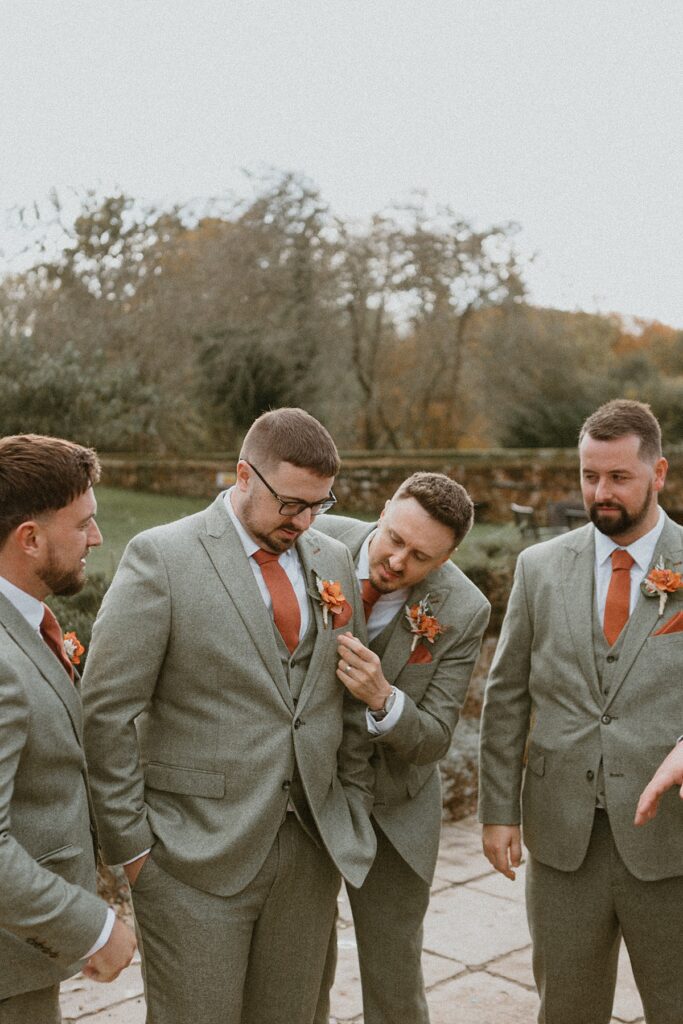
<point>445,500</point>
<point>291,435</point>
<point>39,475</point>
<point>622,417</point>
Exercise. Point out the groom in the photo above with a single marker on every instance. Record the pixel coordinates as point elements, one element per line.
<point>230,770</point>
<point>586,690</point>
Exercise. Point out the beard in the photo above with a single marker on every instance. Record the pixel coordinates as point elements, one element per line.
<point>275,542</point>
<point>61,581</point>
<point>615,526</point>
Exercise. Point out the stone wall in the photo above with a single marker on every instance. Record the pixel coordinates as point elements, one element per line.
<point>495,478</point>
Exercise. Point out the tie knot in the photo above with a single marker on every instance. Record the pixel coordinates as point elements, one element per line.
<point>621,559</point>
<point>262,557</point>
<point>49,625</point>
<point>370,595</point>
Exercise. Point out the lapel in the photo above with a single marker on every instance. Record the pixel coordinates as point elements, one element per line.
<point>229,559</point>
<point>45,661</point>
<point>311,556</point>
<point>397,650</point>
<point>645,615</point>
<point>578,589</point>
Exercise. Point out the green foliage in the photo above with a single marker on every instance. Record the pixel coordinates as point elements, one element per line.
<point>74,395</point>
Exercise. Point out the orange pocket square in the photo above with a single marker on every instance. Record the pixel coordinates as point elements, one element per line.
<point>341,618</point>
<point>674,625</point>
<point>420,656</point>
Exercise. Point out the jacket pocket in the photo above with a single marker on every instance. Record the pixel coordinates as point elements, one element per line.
<point>61,853</point>
<point>187,781</point>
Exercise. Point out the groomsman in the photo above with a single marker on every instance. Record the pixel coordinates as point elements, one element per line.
<point>50,918</point>
<point>585,689</point>
<point>230,769</point>
<point>425,623</point>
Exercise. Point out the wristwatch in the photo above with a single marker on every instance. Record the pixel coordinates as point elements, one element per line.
<point>388,705</point>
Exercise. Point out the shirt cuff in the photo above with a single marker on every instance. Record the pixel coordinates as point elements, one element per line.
<point>137,857</point>
<point>104,934</point>
<point>376,728</point>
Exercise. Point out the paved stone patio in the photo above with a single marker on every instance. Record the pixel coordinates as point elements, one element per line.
<point>476,961</point>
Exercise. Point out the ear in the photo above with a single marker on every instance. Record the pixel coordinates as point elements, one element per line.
<point>242,475</point>
<point>28,538</point>
<point>661,467</point>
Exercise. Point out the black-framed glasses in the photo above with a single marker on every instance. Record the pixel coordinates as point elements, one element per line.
<point>291,507</point>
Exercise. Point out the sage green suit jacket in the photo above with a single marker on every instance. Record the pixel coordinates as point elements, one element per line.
<point>192,734</point>
<point>544,684</point>
<point>49,915</point>
<point>408,789</point>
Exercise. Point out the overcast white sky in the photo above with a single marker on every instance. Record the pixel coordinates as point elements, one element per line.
<point>563,115</point>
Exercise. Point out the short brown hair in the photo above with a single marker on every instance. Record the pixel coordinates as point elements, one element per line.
<point>41,474</point>
<point>291,435</point>
<point>445,500</point>
<point>622,417</point>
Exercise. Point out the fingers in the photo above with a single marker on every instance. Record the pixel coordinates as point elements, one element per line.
<point>347,644</point>
<point>648,803</point>
<point>502,848</point>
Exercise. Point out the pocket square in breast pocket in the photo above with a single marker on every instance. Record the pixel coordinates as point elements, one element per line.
<point>674,625</point>
<point>341,618</point>
<point>420,656</point>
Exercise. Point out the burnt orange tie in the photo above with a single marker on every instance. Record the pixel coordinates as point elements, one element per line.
<point>51,633</point>
<point>617,606</point>
<point>286,611</point>
<point>370,595</point>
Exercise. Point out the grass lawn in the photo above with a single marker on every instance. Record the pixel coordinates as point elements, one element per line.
<point>121,514</point>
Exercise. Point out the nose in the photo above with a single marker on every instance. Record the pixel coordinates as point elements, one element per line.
<point>94,535</point>
<point>303,520</point>
<point>396,561</point>
<point>603,491</point>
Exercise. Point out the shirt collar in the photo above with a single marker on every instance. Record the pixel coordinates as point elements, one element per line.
<point>641,551</point>
<point>30,607</point>
<point>248,543</point>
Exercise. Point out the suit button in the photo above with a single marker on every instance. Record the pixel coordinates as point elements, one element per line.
<point>590,775</point>
<point>605,719</point>
<point>610,658</point>
<point>298,722</point>
<point>286,785</point>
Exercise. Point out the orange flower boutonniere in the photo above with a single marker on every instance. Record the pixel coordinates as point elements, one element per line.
<point>331,597</point>
<point>423,625</point>
<point>660,582</point>
<point>73,648</point>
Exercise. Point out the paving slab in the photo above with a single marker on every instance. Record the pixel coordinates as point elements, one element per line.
<point>479,998</point>
<point>80,996</point>
<point>133,1011</point>
<point>496,884</point>
<point>473,927</point>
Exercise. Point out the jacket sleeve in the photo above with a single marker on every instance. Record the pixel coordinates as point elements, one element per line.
<point>128,646</point>
<point>55,917</point>
<point>424,731</point>
<point>505,715</point>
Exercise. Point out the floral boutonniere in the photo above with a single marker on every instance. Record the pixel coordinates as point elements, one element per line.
<point>332,598</point>
<point>660,582</point>
<point>422,623</point>
<point>73,648</point>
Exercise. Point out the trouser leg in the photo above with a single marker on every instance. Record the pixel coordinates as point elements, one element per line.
<point>38,1007</point>
<point>291,936</point>
<point>576,935</point>
<point>388,915</point>
<point>322,1011</point>
<point>650,918</point>
<point>195,945</point>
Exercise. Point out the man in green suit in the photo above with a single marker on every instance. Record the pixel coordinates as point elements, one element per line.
<point>587,678</point>
<point>220,740</point>
<point>50,918</point>
<point>425,623</point>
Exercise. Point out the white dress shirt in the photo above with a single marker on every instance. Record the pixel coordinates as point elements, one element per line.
<point>641,551</point>
<point>32,609</point>
<point>383,611</point>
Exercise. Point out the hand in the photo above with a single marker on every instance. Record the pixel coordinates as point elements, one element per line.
<point>107,963</point>
<point>503,848</point>
<point>133,869</point>
<point>669,773</point>
<point>360,670</point>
